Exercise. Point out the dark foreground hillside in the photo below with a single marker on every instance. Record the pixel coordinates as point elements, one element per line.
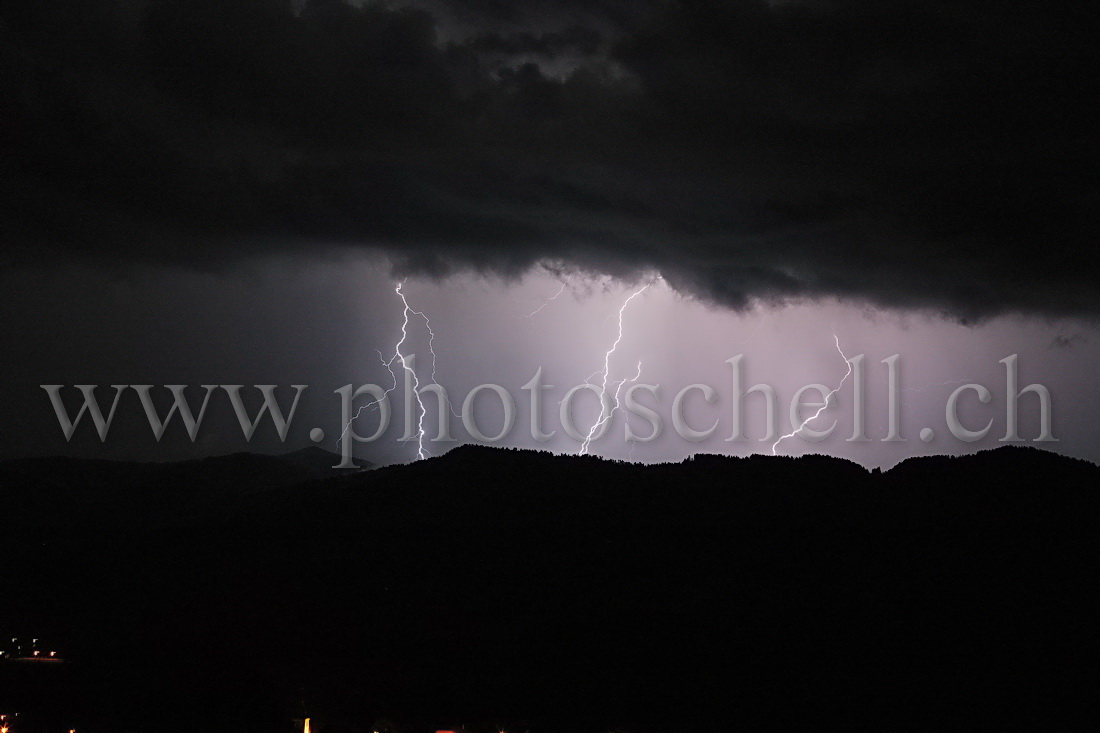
<point>514,590</point>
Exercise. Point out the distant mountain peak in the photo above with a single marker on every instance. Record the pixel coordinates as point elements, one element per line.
<point>315,457</point>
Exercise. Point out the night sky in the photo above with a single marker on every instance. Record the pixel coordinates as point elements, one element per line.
<point>227,192</point>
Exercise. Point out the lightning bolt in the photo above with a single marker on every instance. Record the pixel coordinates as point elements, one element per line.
<point>420,452</point>
<point>398,355</point>
<point>369,405</point>
<point>431,348</point>
<point>821,409</point>
<point>618,405</point>
<point>606,370</point>
<point>751,336</point>
<point>545,303</point>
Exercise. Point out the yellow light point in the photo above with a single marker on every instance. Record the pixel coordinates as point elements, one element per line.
<point>305,726</point>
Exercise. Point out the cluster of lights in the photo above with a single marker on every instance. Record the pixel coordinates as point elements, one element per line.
<point>7,719</point>
<point>33,653</point>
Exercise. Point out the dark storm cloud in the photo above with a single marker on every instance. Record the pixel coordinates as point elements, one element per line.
<point>1067,341</point>
<point>582,41</point>
<point>935,155</point>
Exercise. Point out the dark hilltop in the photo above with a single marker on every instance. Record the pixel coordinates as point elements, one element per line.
<point>527,591</point>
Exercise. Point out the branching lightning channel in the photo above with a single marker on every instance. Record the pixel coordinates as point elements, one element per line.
<point>606,370</point>
<point>431,348</point>
<point>828,397</point>
<point>371,404</point>
<point>398,355</point>
<point>545,303</point>
<point>618,404</point>
<point>420,452</point>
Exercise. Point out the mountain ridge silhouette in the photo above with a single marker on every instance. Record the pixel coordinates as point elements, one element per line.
<point>565,593</point>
